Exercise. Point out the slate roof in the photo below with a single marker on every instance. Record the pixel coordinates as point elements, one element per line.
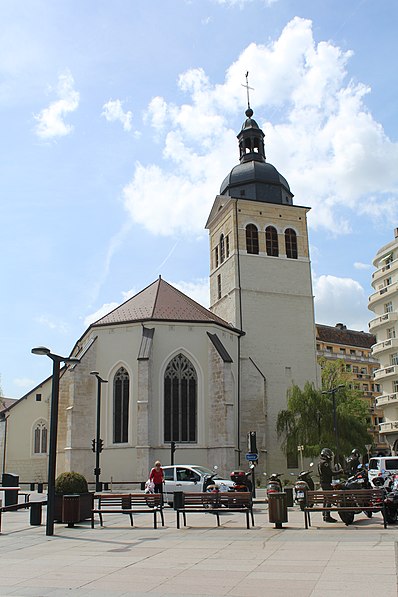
<point>160,301</point>
<point>341,335</point>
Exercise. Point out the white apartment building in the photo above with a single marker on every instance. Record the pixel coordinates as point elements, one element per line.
<point>384,304</point>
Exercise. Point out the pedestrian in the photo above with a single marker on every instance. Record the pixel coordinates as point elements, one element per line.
<point>157,476</point>
<point>326,474</point>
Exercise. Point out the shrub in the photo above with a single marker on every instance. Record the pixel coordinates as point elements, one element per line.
<point>70,482</point>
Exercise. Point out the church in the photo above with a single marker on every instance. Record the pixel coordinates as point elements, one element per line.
<point>174,371</point>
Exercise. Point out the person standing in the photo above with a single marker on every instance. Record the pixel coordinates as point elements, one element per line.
<point>157,476</point>
<point>326,474</point>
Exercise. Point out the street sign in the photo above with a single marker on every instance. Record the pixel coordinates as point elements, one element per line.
<point>251,456</point>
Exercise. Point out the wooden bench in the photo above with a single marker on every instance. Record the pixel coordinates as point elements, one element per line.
<point>344,500</point>
<point>217,502</point>
<point>128,503</point>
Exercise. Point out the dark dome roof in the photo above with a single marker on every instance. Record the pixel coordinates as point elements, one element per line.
<point>254,178</point>
<point>259,181</point>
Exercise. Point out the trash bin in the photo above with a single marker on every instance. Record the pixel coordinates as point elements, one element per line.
<point>71,509</point>
<point>35,513</point>
<point>277,509</point>
<point>289,497</point>
<point>10,480</point>
<point>178,500</point>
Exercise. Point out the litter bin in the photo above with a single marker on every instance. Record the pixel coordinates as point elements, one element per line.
<point>178,500</point>
<point>289,497</point>
<point>71,509</point>
<point>277,509</point>
<point>35,513</point>
<point>11,496</point>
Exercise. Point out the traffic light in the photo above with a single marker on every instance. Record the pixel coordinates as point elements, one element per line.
<point>252,443</point>
<point>93,445</point>
<point>100,445</point>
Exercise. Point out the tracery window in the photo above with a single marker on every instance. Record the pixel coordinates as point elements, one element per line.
<point>271,241</point>
<point>121,392</point>
<point>40,438</point>
<point>291,243</point>
<point>222,248</point>
<point>252,239</point>
<point>180,401</point>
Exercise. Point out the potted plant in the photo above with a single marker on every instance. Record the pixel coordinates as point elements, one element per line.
<point>73,501</point>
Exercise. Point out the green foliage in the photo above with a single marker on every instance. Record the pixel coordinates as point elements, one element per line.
<point>308,419</point>
<point>70,482</point>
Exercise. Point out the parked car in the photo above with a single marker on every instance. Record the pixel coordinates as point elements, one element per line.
<point>378,465</point>
<point>191,477</point>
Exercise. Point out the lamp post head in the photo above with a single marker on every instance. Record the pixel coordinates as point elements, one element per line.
<point>97,375</point>
<point>41,350</point>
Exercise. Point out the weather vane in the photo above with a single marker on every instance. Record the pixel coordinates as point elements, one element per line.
<point>247,89</point>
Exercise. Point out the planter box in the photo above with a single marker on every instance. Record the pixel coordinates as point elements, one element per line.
<point>73,508</point>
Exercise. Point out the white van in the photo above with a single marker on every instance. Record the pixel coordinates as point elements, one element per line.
<point>379,465</point>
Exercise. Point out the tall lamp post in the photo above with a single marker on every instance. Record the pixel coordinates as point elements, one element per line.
<point>333,391</point>
<point>98,440</point>
<point>52,444</point>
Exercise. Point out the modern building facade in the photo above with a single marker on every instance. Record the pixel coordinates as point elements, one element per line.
<point>384,304</point>
<point>354,349</point>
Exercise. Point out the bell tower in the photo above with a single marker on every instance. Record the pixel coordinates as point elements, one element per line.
<point>260,281</point>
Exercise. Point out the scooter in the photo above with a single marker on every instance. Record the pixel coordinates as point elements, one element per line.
<point>357,481</point>
<point>274,484</point>
<point>241,480</point>
<point>390,485</point>
<point>302,485</point>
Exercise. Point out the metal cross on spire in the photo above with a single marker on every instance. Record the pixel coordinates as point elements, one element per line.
<point>247,89</point>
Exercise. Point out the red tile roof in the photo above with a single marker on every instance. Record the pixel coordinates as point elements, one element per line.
<point>161,302</point>
<point>341,335</point>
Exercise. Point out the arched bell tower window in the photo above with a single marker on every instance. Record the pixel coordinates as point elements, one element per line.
<point>180,401</point>
<point>121,391</point>
<point>271,241</point>
<point>40,438</point>
<point>252,239</point>
<point>222,248</point>
<point>291,243</point>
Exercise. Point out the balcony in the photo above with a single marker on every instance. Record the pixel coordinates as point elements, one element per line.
<point>387,268</point>
<point>391,427</point>
<point>383,294</point>
<point>381,374</point>
<point>391,343</point>
<point>387,399</point>
<point>352,358</point>
<point>384,319</point>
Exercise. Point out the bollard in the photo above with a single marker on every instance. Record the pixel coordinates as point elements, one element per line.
<point>35,513</point>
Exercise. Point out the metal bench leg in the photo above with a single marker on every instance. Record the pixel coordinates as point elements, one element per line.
<point>155,523</point>
<point>162,516</point>
<point>247,520</point>
<point>178,519</point>
<point>252,516</point>
<point>131,519</point>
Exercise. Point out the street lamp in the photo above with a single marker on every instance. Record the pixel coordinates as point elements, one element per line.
<point>333,391</point>
<point>301,450</point>
<point>52,444</point>
<point>97,443</point>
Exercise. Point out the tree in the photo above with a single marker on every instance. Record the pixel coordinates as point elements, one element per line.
<point>308,418</point>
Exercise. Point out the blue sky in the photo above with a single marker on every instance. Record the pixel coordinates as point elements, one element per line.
<point>119,123</point>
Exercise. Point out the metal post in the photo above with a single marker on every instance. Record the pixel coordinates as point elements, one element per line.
<point>52,447</point>
<point>98,440</point>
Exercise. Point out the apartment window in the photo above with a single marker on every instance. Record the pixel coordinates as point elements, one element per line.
<point>252,239</point>
<point>355,369</point>
<point>387,281</point>
<point>394,358</point>
<point>388,307</point>
<point>390,333</point>
<point>365,387</point>
<point>318,347</point>
<point>38,397</point>
<point>353,352</point>
<point>395,386</point>
<point>342,350</point>
<point>219,286</point>
<point>348,367</point>
<point>329,349</point>
<point>364,370</point>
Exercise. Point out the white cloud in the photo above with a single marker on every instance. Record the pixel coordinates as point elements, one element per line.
<point>337,158</point>
<point>113,111</point>
<point>359,265</point>
<point>198,290</point>
<point>52,323</point>
<point>101,312</point>
<point>50,121</point>
<point>340,298</point>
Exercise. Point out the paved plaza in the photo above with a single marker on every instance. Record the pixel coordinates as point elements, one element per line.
<point>201,560</point>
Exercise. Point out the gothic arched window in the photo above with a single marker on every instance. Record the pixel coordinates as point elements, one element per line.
<point>252,239</point>
<point>121,391</point>
<point>40,438</point>
<point>180,401</point>
<point>271,241</point>
<point>291,243</point>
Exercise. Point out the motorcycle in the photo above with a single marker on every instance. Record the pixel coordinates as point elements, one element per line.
<point>274,484</point>
<point>358,481</point>
<point>303,483</point>
<point>390,485</point>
